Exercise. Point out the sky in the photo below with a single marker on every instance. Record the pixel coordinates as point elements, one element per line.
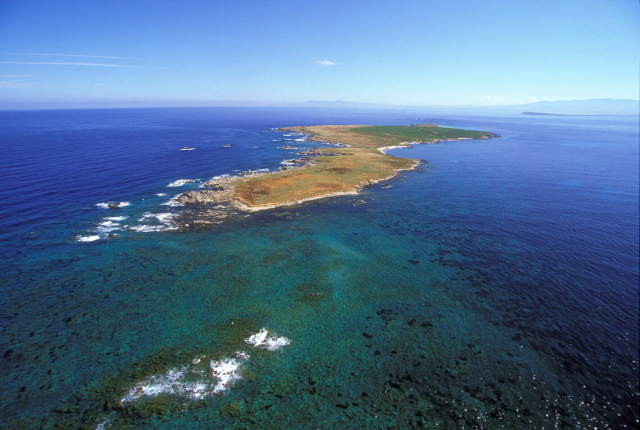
<point>401,52</point>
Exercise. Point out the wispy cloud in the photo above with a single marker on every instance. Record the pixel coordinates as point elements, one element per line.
<point>73,64</point>
<point>326,63</point>
<point>14,84</point>
<point>16,76</point>
<point>102,84</point>
<point>73,55</point>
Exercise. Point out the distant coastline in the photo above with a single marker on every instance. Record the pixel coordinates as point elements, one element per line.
<point>569,114</point>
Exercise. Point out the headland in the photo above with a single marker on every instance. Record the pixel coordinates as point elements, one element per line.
<point>352,157</point>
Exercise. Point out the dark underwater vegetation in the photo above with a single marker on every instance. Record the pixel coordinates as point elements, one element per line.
<point>496,287</point>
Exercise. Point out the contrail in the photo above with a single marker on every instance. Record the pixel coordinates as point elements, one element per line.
<point>74,64</point>
<point>74,55</point>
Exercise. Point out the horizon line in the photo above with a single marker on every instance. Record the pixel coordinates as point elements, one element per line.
<point>186,103</point>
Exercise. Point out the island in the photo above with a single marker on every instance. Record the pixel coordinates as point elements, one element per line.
<point>353,157</point>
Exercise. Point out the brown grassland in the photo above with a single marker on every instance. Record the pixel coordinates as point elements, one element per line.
<point>343,169</point>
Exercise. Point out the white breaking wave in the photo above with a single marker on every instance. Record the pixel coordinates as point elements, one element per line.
<point>151,228</point>
<point>172,382</point>
<point>87,238</point>
<point>226,371</point>
<point>226,175</point>
<point>173,200</point>
<point>263,340</point>
<point>181,182</point>
<point>165,217</point>
<point>115,218</point>
<point>109,205</point>
<point>291,162</point>
<point>107,226</point>
<point>191,382</point>
<point>195,381</point>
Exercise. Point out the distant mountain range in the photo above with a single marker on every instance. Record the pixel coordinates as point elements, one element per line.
<point>558,107</point>
<point>582,107</point>
<point>342,104</point>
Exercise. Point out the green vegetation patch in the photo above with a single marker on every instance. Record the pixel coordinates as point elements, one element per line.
<point>418,133</point>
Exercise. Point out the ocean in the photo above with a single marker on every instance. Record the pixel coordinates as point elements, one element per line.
<point>496,287</point>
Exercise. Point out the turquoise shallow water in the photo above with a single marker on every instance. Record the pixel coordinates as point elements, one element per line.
<point>495,289</point>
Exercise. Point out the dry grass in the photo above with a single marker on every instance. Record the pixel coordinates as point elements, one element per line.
<point>338,134</point>
<point>330,175</point>
<point>356,166</point>
<point>367,136</point>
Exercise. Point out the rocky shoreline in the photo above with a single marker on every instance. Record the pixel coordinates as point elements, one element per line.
<point>216,203</point>
<point>311,136</point>
<point>213,206</point>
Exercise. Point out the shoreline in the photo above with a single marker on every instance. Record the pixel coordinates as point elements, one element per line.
<point>356,191</point>
<point>384,149</point>
<point>233,195</point>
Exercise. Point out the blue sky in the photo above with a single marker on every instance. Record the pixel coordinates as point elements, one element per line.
<point>427,52</point>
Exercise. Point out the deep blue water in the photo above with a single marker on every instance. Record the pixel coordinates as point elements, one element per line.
<point>498,288</point>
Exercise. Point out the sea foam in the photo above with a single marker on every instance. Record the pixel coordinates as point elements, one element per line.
<point>263,340</point>
<point>151,228</point>
<point>107,226</point>
<point>165,217</point>
<point>91,238</point>
<point>180,182</point>
<point>194,381</point>
<point>115,218</point>
<point>111,205</point>
<point>191,381</point>
<point>173,382</point>
<point>173,200</point>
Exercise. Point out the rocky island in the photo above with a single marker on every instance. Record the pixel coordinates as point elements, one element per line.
<point>355,158</point>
